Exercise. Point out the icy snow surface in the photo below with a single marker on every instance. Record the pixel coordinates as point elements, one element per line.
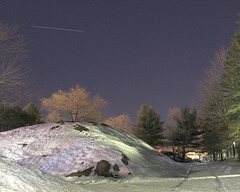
<point>44,150</point>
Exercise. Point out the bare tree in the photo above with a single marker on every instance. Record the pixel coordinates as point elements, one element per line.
<point>171,124</point>
<point>213,74</point>
<point>172,129</point>
<point>12,53</point>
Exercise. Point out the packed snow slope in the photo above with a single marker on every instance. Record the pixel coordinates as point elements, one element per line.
<point>18,178</point>
<point>64,148</point>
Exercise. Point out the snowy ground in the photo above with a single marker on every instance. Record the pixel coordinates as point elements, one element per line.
<point>38,158</point>
<point>214,176</point>
<point>206,177</point>
<point>32,155</point>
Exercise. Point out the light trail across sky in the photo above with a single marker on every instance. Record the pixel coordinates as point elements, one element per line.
<point>55,28</point>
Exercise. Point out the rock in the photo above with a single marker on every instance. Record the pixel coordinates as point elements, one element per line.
<point>104,124</point>
<point>85,172</point>
<point>102,169</point>
<point>125,159</point>
<point>116,168</point>
<point>80,128</point>
<point>54,127</point>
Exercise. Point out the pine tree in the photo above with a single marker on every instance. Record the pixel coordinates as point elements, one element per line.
<point>186,134</point>
<point>232,82</point>
<point>149,128</point>
<point>214,123</point>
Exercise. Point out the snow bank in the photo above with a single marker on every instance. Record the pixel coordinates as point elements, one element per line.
<point>15,177</point>
<point>60,149</point>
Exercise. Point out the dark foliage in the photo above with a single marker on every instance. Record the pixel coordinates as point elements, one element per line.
<point>13,116</point>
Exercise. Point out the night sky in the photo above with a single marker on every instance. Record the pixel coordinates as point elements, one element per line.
<point>131,52</point>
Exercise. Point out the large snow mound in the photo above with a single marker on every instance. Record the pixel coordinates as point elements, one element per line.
<point>64,148</point>
<point>15,177</point>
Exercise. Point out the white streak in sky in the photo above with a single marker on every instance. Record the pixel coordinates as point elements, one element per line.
<point>54,28</point>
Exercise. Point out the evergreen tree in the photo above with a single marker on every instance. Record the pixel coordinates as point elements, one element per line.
<point>187,132</point>
<point>232,82</point>
<point>11,117</point>
<point>34,116</point>
<point>149,128</point>
<point>214,124</point>
<point>173,139</point>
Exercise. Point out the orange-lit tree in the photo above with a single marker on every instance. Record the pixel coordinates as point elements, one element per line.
<point>75,105</point>
<point>122,122</point>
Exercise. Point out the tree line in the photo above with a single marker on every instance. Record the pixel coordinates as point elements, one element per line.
<point>221,108</point>
<point>219,113</point>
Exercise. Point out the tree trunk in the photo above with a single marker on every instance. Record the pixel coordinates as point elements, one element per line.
<point>71,116</point>
<point>174,155</point>
<point>76,116</point>
<point>238,150</point>
<point>233,151</point>
<point>214,156</point>
<point>183,155</point>
<point>227,152</point>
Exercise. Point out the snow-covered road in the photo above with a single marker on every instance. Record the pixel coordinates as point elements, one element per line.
<point>216,176</point>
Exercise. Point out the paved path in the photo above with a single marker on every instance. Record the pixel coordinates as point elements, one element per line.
<point>216,176</point>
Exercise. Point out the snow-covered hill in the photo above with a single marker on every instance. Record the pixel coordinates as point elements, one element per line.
<point>65,149</point>
<point>18,178</point>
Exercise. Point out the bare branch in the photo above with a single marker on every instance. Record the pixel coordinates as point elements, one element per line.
<point>213,74</point>
<point>11,41</point>
<point>12,72</point>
